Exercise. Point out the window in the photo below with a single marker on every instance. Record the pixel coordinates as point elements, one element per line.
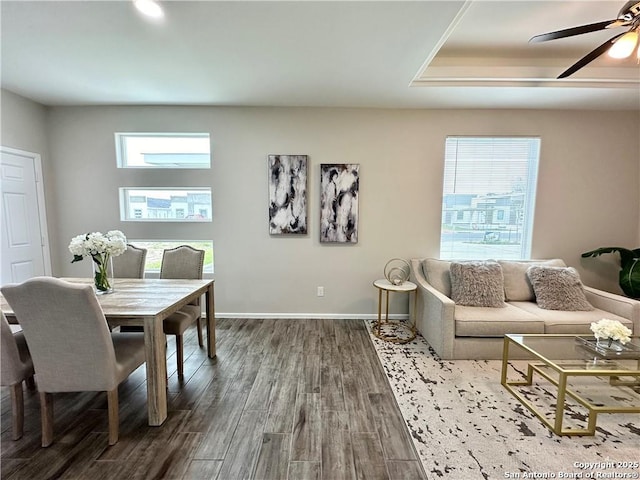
<point>488,197</point>
<point>163,150</point>
<point>156,247</point>
<point>165,204</point>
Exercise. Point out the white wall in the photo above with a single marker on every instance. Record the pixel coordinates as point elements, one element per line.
<point>23,126</point>
<point>588,192</point>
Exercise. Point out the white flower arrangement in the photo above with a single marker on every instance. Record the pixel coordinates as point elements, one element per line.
<point>100,248</point>
<point>611,329</point>
<point>113,243</point>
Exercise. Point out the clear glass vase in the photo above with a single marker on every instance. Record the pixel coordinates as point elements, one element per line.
<point>102,273</point>
<point>609,344</point>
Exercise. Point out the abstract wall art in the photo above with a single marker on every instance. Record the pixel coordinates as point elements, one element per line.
<point>339,192</point>
<point>287,194</point>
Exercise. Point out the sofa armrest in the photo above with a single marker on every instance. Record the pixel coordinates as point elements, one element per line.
<point>617,304</point>
<point>434,313</point>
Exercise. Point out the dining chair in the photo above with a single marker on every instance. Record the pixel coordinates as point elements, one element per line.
<point>183,262</point>
<point>71,346</point>
<point>16,367</point>
<point>131,263</point>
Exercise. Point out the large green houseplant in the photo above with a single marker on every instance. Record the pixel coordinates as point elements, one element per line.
<point>629,268</point>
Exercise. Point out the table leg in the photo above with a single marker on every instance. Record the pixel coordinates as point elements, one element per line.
<point>156,364</point>
<point>505,361</point>
<point>211,321</point>
<point>562,391</point>
<point>386,315</point>
<point>379,311</point>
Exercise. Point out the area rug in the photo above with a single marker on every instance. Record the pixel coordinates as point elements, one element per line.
<point>465,425</point>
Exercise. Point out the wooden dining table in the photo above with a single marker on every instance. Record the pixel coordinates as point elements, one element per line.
<point>148,302</point>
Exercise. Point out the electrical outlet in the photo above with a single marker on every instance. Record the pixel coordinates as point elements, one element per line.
<point>321,291</point>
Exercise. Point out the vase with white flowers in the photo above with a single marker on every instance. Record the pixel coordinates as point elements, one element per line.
<point>610,331</point>
<point>101,248</point>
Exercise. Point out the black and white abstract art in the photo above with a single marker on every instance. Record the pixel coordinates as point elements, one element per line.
<point>339,191</point>
<point>287,194</point>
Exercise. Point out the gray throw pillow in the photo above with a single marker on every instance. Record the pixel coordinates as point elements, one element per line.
<point>558,288</point>
<point>477,284</point>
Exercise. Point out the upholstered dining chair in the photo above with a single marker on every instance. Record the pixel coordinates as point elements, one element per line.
<point>71,346</point>
<point>131,263</point>
<point>183,262</point>
<point>16,367</point>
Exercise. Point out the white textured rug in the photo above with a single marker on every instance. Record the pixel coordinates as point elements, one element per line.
<point>465,425</point>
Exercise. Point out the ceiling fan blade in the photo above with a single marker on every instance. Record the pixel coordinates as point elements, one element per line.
<point>591,56</point>
<point>570,32</point>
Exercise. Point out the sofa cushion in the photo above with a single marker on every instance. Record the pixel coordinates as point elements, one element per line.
<point>558,288</point>
<point>558,321</point>
<point>437,274</point>
<point>477,284</point>
<point>517,287</point>
<point>494,322</point>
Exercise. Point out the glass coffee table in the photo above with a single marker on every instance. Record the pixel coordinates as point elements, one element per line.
<point>601,383</point>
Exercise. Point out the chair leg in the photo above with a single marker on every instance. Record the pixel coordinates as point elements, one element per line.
<point>17,410</point>
<point>199,327</point>
<point>114,420</point>
<point>46,418</point>
<point>180,355</point>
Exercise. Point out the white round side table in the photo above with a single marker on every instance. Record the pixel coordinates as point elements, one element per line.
<point>410,327</point>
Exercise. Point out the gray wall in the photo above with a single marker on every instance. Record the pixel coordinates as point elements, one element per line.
<point>588,192</point>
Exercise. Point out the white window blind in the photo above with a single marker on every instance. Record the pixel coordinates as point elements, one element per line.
<point>488,197</point>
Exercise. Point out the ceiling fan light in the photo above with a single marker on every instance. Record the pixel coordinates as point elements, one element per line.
<point>623,47</point>
<point>150,8</point>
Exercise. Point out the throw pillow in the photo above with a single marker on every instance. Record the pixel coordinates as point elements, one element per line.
<point>477,284</point>
<point>517,287</point>
<point>558,288</point>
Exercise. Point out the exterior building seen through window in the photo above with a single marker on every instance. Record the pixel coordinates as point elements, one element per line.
<point>163,150</point>
<point>166,204</point>
<point>488,198</point>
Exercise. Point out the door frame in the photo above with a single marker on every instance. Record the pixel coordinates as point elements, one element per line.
<point>42,211</point>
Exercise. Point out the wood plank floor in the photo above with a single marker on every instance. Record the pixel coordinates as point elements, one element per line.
<point>283,399</point>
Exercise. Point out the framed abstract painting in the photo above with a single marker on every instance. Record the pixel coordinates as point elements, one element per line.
<point>287,194</point>
<point>339,193</point>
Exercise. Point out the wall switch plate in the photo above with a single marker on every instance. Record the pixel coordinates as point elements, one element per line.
<point>321,291</point>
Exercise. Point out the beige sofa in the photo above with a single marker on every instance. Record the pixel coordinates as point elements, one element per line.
<point>471,332</point>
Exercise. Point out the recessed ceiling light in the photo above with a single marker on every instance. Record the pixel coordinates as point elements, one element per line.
<point>150,8</point>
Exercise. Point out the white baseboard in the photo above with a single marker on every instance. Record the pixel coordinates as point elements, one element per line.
<point>312,316</point>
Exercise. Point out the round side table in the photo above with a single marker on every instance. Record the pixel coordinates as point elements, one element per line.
<point>396,327</point>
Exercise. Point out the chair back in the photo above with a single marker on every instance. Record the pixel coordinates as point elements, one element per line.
<point>67,334</point>
<point>182,262</point>
<point>15,362</point>
<point>130,264</point>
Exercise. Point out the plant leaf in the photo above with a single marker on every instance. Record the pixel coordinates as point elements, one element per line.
<point>626,255</point>
<point>77,258</point>
<point>630,278</point>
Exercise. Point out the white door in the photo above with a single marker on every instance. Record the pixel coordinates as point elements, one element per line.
<point>24,236</point>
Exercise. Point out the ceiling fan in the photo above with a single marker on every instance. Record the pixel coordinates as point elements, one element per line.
<point>619,46</point>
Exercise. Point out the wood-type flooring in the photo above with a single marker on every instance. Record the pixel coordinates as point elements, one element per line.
<point>284,399</point>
